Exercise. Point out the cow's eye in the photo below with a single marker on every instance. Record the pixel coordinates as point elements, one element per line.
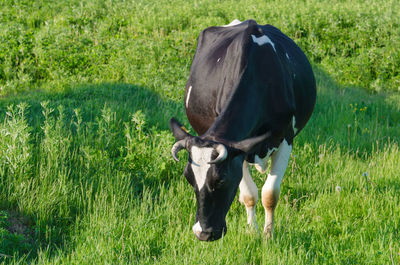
<point>219,183</point>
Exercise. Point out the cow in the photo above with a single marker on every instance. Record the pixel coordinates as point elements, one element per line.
<point>251,90</point>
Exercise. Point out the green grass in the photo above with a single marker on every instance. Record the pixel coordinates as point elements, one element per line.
<point>53,44</point>
<point>86,175</point>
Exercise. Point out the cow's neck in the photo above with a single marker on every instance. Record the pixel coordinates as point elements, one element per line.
<point>237,122</point>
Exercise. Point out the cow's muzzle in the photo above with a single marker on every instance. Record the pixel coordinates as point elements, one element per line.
<point>209,234</point>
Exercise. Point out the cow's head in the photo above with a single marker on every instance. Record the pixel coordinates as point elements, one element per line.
<point>214,169</point>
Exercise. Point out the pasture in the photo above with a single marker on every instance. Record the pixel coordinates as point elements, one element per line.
<point>86,177</point>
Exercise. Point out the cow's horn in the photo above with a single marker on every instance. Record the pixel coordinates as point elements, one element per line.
<point>248,145</point>
<point>178,146</point>
<point>222,154</point>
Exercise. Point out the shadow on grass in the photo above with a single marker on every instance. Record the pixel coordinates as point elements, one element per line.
<point>124,99</point>
<point>121,99</point>
<point>352,118</point>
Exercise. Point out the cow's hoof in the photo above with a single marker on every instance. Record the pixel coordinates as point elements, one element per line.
<point>268,234</point>
<point>253,229</point>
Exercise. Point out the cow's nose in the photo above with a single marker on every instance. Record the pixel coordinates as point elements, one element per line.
<point>200,234</point>
<point>207,235</point>
<point>197,230</point>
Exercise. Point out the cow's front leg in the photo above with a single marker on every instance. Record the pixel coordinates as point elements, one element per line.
<point>249,196</point>
<point>272,187</point>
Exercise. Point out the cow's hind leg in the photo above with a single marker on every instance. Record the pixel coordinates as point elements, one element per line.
<point>249,195</point>
<point>272,187</point>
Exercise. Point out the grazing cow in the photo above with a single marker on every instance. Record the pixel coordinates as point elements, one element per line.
<point>251,90</point>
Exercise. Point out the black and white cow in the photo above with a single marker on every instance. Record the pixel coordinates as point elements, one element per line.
<point>250,92</point>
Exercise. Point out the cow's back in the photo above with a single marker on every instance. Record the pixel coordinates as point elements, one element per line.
<point>216,66</point>
<point>221,61</point>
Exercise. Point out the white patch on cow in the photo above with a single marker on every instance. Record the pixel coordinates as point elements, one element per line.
<point>219,59</point>
<point>233,23</point>
<point>200,158</point>
<point>271,189</point>
<point>197,228</point>
<point>263,40</point>
<point>287,56</point>
<point>188,96</point>
<point>294,124</point>
<point>261,163</point>
<point>280,159</point>
<point>249,195</point>
<point>294,76</point>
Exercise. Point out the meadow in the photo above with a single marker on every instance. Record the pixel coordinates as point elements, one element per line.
<point>86,177</point>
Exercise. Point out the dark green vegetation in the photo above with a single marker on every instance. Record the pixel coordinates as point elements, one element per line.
<point>85,171</point>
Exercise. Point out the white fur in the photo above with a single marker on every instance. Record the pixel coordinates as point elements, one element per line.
<point>188,96</point>
<point>197,228</point>
<point>280,160</point>
<point>233,23</point>
<point>263,40</point>
<point>200,158</point>
<point>287,56</point>
<point>262,163</point>
<point>249,189</point>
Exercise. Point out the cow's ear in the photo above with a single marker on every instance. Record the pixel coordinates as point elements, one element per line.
<point>178,130</point>
<point>249,145</point>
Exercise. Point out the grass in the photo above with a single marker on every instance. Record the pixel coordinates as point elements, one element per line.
<point>86,175</point>
<point>53,45</point>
